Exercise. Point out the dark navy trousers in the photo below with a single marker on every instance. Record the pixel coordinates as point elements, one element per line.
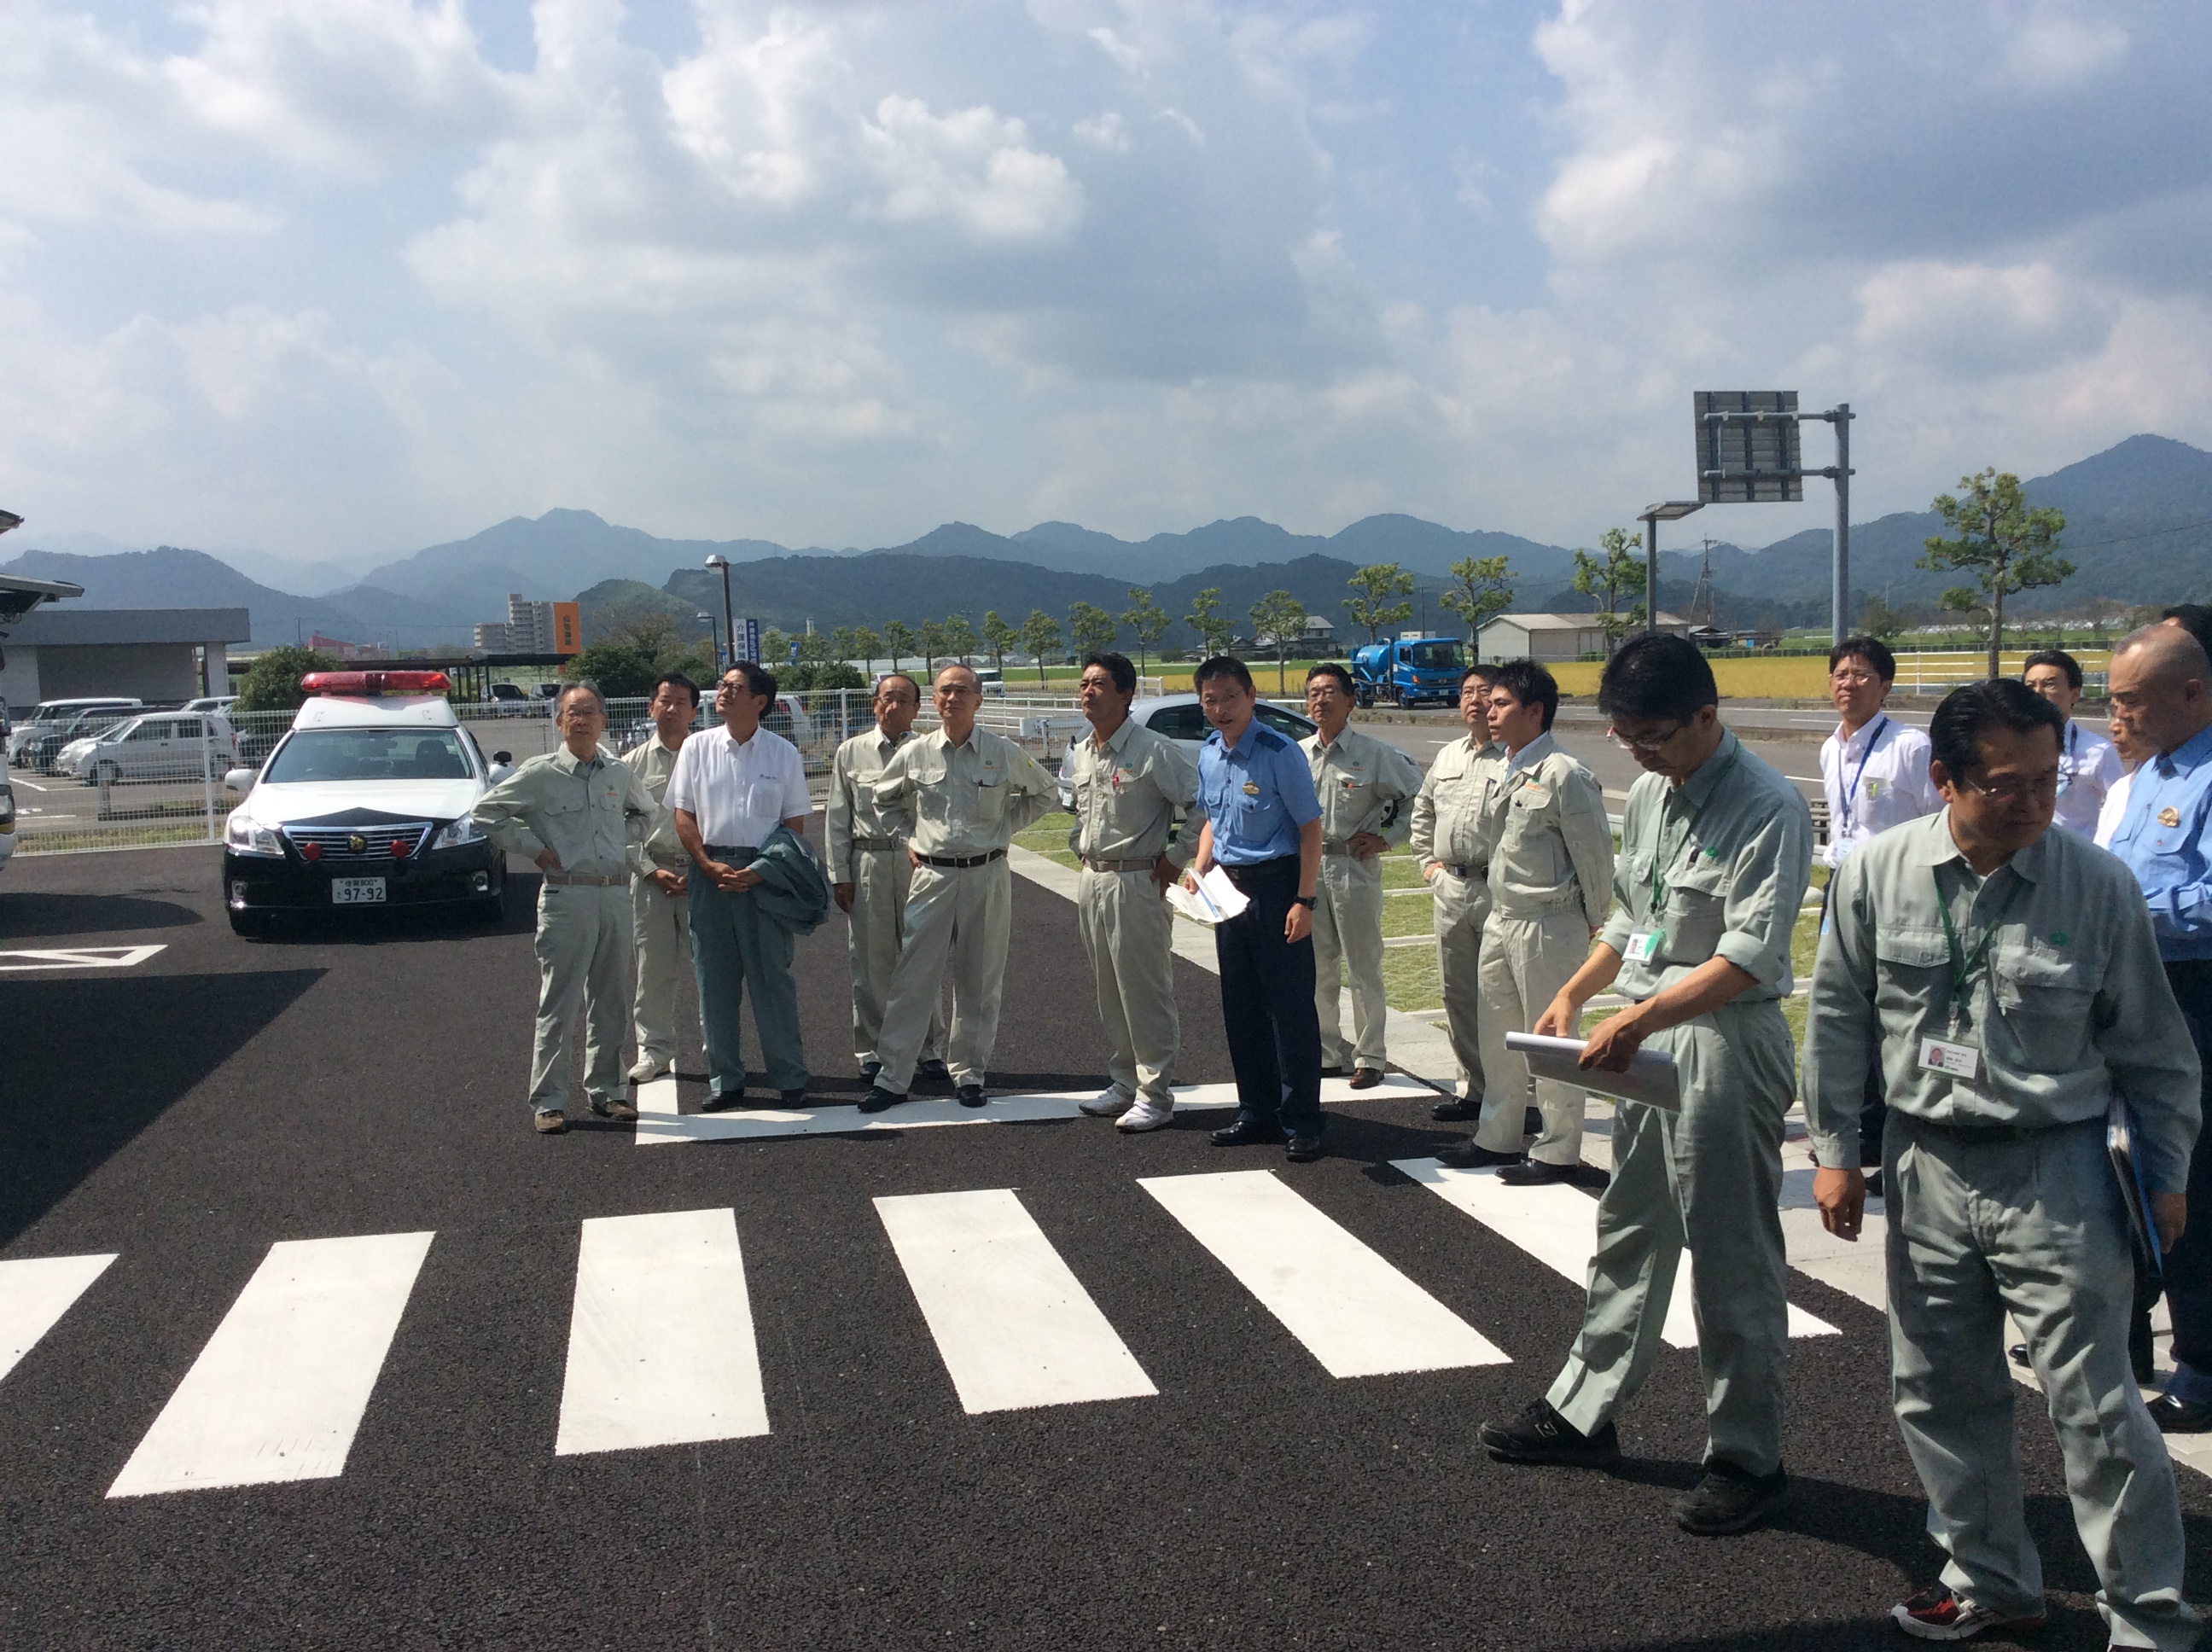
<point>1267,1002</point>
<point>2188,1267</point>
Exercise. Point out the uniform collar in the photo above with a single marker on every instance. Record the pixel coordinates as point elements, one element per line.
<point>569,763</point>
<point>1867,731</point>
<point>1534,752</point>
<point>1700,786</point>
<point>660,744</point>
<point>1117,741</point>
<point>2185,757</point>
<point>1345,740</point>
<point>889,742</point>
<point>974,733</point>
<point>1934,846</point>
<point>735,744</point>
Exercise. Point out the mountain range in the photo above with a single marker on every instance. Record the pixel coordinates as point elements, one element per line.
<point>2139,529</point>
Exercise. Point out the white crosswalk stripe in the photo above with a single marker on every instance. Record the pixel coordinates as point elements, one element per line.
<point>661,1349</point>
<point>1355,1313</point>
<point>34,1293</point>
<point>278,1392</point>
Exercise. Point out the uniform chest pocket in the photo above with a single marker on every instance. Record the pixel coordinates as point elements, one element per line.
<point>564,811</point>
<point>1531,837</point>
<point>1912,967</point>
<point>764,798</point>
<point>928,772</point>
<point>1696,911</point>
<point>2045,995</point>
<point>991,794</point>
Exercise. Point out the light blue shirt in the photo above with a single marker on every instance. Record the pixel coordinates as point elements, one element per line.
<point>2161,836</point>
<point>1257,793</point>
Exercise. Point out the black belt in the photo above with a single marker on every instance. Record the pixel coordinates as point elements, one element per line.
<point>1283,865</point>
<point>876,845</point>
<point>950,863</point>
<point>1990,1132</point>
<point>730,851</point>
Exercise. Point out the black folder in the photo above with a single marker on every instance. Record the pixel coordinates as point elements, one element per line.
<point>2127,1166</point>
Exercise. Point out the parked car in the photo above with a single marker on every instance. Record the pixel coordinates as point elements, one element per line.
<point>40,751</point>
<point>217,702</point>
<point>158,746</point>
<point>500,693</point>
<point>1183,720</point>
<point>50,717</point>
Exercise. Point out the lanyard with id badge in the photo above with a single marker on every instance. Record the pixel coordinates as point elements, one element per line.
<point>1952,1056</point>
<point>1644,944</point>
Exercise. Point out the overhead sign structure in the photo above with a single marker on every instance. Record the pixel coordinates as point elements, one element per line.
<point>1748,454</point>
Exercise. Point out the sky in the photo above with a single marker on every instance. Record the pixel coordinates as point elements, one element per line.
<point>341,278</point>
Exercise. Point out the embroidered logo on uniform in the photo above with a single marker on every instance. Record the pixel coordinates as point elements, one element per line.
<point>1251,788</point>
<point>2169,817</point>
<point>2058,938</point>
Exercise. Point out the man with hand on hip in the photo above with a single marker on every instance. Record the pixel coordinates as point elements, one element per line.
<point>660,914</point>
<point>732,787</point>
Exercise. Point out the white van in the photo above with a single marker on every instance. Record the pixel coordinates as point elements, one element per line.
<point>49,716</point>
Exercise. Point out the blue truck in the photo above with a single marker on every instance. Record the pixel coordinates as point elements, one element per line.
<point>1406,671</point>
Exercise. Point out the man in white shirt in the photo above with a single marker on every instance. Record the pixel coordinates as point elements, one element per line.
<point>2088,764</point>
<point>1874,772</point>
<point>732,789</point>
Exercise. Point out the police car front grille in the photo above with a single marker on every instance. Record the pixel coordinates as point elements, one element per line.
<point>336,842</point>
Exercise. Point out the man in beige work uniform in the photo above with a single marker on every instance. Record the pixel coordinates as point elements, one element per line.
<point>1551,886</point>
<point>661,917</point>
<point>970,791</point>
<point>1128,784</point>
<point>1365,786</point>
<point>1451,841</point>
<point>869,872</point>
<point>583,818</point>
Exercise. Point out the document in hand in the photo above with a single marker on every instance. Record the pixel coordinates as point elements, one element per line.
<point>1650,1078</point>
<point>1216,900</point>
<point>2135,1192</point>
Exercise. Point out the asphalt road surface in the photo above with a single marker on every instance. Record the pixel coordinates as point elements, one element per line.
<point>1011,1395</point>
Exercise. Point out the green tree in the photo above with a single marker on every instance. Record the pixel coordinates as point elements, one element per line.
<point>867,645</point>
<point>1618,577</point>
<point>775,647</point>
<point>1001,639</point>
<point>1281,618</point>
<point>958,636</point>
<point>819,677</point>
<point>622,670</point>
<point>1881,620</point>
<point>899,641</point>
<point>1147,621</point>
<point>2003,544</point>
<point>1040,637</point>
<point>1091,628</point>
<point>932,644</point>
<point>1481,587</point>
<point>1378,585</point>
<point>272,684</point>
<point>1207,619</point>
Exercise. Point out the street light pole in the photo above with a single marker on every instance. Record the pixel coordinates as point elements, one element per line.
<point>1673,511</point>
<point>1839,618</point>
<point>729,625</point>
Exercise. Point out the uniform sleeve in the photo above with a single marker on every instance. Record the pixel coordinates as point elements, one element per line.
<point>1621,924</point>
<point>1036,794</point>
<point>1766,886</point>
<point>837,820</point>
<point>798,803</point>
<point>2140,1031</point>
<point>1422,837</point>
<point>1173,775</point>
<point>1841,1023</point>
<point>683,780</point>
<point>1589,840</point>
<point>1917,783</point>
<point>895,781</point>
<point>2184,911</point>
<point>1294,782</point>
<point>502,813</point>
<point>641,814</point>
<point>1398,778</point>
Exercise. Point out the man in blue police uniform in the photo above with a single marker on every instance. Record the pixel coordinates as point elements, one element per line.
<point>1263,828</point>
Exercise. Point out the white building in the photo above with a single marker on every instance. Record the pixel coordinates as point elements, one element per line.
<point>152,653</point>
<point>1555,636</point>
<point>528,630</point>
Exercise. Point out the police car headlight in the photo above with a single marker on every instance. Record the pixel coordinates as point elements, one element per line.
<point>245,836</point>
<point>461,832</point>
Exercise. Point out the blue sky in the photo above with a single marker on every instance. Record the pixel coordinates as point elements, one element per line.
<point>338,278</point>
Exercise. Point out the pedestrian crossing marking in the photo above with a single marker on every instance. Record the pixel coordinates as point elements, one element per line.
<point>1355,1313</point>
<point>35,1292</point>
<point>661,1350</point>
<point>279,1390</point>
<point>1013,1323</point>
<point>1557,1226</point>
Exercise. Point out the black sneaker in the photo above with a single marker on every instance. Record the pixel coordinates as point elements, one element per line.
<point>934,1070</point>
<point>1540,1434</point>
<point>869,1070</point>
<point>879,1098</point>
<point>972,1095</point>
<point>1728,1499</point>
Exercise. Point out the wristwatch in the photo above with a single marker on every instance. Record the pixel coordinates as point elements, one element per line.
<point>1305,901</point>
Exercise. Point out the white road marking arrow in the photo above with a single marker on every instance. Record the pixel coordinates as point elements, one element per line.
<point>78,958</point>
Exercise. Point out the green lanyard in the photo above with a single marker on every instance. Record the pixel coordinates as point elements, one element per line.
<point>1962,969</point>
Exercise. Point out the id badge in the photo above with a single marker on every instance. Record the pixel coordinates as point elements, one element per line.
<point>1644,947</point>
<point>1959,1061</point>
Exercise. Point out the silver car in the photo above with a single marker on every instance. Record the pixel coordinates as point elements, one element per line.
<point>164,745</point>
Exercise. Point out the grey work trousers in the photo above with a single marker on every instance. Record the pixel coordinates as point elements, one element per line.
<point>583,950</point>
<point>957,925</point>
<point>881,879</point>
<point>1525,959</point>
<point>660,933</point>
<point>1709,1177</point>
<point>1461,909</point>
<point>1348,936</point>
<point>735,947</point>
<point>1129,933</point>
<point>2034,1227</point>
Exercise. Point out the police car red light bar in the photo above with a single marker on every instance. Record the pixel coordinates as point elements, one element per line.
<point>375,683</point>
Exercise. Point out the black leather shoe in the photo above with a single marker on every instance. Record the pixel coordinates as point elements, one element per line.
<point>1540,1434</point>
<point>1468,1157</point>
<point>1727,1500</point>
<point>1246,1133</point>
<point>972,1095</point>
<point>795,1097</point>
<point>879,1098</point>
<point>1456,1112</point>
<point>869,1070</point>
<point>717,1100</point>
<point>2179,1417</point>
<point>1303,1149</point>
<point>1532,1120</point>
<point>936,1071</point>
<point>1532,1173</point>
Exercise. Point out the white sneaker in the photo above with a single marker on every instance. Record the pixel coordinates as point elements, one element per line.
<point>1106,1103</point>
<point>1145,1114</point>
<point>647,1067</point>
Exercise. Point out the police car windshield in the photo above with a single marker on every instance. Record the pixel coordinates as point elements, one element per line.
<point>1433,656</point>
<point>368,754</point>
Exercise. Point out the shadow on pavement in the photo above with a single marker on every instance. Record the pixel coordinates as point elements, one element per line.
<point>92,1063</point>
<point>28,916</point>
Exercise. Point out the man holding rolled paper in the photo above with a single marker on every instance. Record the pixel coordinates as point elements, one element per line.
<point>1716,852</point>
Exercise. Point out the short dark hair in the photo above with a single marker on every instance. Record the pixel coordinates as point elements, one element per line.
<point>1219,666</point>
<point>1531,684</point>
<point>1330,668</point>
<point>902,677</point>
<point>2058,657</point>
<point>1487,673</point>
<point>2195,618</point>
<point>757,679</point>
<point>581,685</point>
<point>1872,650</point>
<point>1968,713</point>
<point>1116,666</point>
<point>1658,675</point>
<point>680,681</point>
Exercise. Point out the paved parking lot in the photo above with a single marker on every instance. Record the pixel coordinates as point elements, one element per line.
<point>429,1379</point>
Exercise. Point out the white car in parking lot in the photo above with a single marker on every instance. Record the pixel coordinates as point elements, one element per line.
<point>167,745</point>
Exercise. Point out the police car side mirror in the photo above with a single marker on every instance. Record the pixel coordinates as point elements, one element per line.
<point>503,765</point>
<point>237,780</point>
<point>502,759</point>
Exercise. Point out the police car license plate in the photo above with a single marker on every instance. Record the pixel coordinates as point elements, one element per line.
<point>357,891</point>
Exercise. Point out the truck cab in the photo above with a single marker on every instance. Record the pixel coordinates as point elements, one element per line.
<point>1408,671</point>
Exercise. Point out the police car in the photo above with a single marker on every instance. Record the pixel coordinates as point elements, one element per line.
<point>364,802</point>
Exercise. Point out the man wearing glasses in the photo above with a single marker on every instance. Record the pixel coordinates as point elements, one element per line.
<point>1451,841</point>
<point>583,818</point>
<point>661,914</point>
<point>970,791</point>
<point>1716,851</point>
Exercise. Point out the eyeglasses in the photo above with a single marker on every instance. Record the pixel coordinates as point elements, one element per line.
<point>1650,744</point>
<point>2015,791</point>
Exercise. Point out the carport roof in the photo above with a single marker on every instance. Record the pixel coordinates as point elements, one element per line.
<point>93,627</point>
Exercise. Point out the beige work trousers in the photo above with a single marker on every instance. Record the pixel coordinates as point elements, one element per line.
<point>1347,936</point>
<point>1462,906</point>
<point>583,957</point>
<point>660,935</point>
<point>957,925</point>
<point>881,879</point>
<point>1525,959</point>
<point>1129,933</point>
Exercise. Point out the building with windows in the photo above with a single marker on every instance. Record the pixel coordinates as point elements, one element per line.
<point>1556,636</point>
<point>533,628</point>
